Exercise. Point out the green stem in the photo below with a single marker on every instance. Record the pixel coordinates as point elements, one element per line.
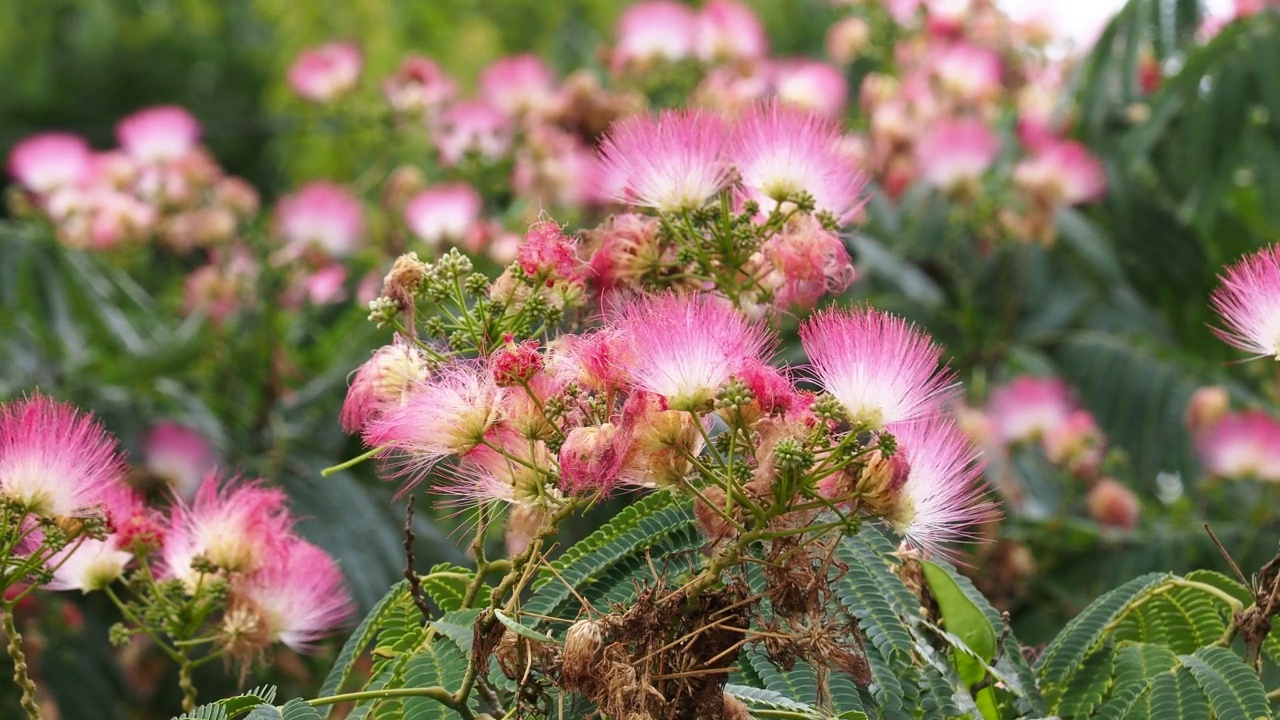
<point>184,681</point>
<point>353,461</point>
<point>20,676</point>
<point>435,692</point>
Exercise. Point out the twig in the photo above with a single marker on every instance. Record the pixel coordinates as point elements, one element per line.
<point>415,584</point>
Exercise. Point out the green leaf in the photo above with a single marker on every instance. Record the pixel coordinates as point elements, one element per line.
<point>1135,665</point>
<point>1088,686</point>
<point>1234,690</point>
<point>962,618</point>
<point>522,630</point>
<point>297,709</point>
<point>437,665</point>
<point>447,585</point>
<point>761,697</point>
<point>458,626</point>
<point>359,640</point>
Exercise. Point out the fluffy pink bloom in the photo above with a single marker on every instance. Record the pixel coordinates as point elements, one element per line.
<point>953,153</point>
<point>846,39</point>
<point>878,366</point>
<point>652,31</point>
<point>1065,170</point>
<point>807,262</point>
<point>178,454</point>
<point>1113,505</point>
<point>942,498</point>
<point>159,134</point>
<point>781,151</point>
<point>969,72</point>
<point>813,85</point>
<point>419,85</point>
<point>547,252</point>
<point>237,526</point>
<point>671,162</point>
<point>1076,443</point>
<point>1240,445</point>
<point>323,73</point>
<point>591,458</point>
<point>87,564</point>
<point>1248,301</point>
<point>728,30</point>
<point>472,127</point>
<point>683,348</point>
<point>443,213</point>
<point>323,216</point>
<point>1029,407</point>
<point>517,84</point>
<point>51,160</point>
<point>382,383</point>
<point>55,460</point>
<point>298,597</point>
<point>447,415</point>
<point>501,470</point>
<point>592,360</point>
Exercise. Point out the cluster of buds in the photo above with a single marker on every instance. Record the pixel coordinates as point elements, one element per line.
<point>225,569</point>
<point>934,115</point>
<point>159,183</point>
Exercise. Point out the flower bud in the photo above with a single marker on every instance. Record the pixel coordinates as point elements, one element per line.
<point>1206,406</point>
<point>880,482</point>
<point>713,524</point>
<point>1113,505</point>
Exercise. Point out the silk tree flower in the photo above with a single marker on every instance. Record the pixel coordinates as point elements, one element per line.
<point>1241,445</point>
<point>419,85</point>
<point>1029,408</point>
<point>320,216</point>
<point>879,367</point>
<point>592,360</point>
<point>296,599</point>
<point>591,458</point>
<point>506,467</point>
<point>472,128</point>
<point>955,153</point>
<point>158,135</point>
<point>683,348</point>
<point>846,39</point>
<point>446,415</point>
<point>1248,301</point>
<point>969,72</point>
<point>728,30</point>
<point>942,498</point>
<point>549,254</point>
<point>237,526</point>
<point>179,455</point>
<point>657,30</point>
<point>383,382</point>
<point>671,162</point>
<point>658,442</point>
<point>518,84</point>
<point>54,460</point>
<point>1063,171</point>
<point>807,262</point>
<point>48,161</point>
<point>443,213</point>
<point>322,74</point>
<point>813,85</point>
<point>781,151</point>
<point>88,564</point>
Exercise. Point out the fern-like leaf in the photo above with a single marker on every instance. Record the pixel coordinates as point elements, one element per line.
<point>1235,692</point>
<point>360,638</point>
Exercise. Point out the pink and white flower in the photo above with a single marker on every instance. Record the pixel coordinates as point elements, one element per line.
<point>419,86</point>
<point>1248,301</point>
<point>683,348</point>
<point>656,30</point>
<point>806,263</point>
<point>810,84</point>
<point>179,455</point>
<point>518,84</point>
<point>87,564</point>
<point>782,151</point>
<point>1065,171</point>
<point>878,366</point>
<point>322,74</point>
<point>383,382</point>
<point>1241,445</point>
<point>320,216</point>
<point>1029,408</point>
<point>472,128</point>
<point>671,162</point>
<point>158,135</point>
<point>969,72</point>
<point>54,460</point>
<point>297,598</point>
<point>48,161</point>
<point>943,497</point>
<point>728,30</point>
<point>955,153</point>
<point>443,213</point>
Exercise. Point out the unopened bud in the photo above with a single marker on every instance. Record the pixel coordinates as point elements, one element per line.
<point>1113,505</point>
<point>711,520</point>
<point>1207,406</point>
<point>879,485</point>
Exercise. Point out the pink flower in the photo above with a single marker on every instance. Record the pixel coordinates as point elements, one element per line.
<point>808,262</point>
<point>942,498</point>
<point>443,213</point>
<point>1028,407</point>
<point>322,216</point>
<point>1113,505</point>
<point>518,84</point>
<point>1248,301</point>
<point>419,86</point>
<point>87,564</point>
<point>547,253</point>
<point>323,73</point>
<point>446,415</point>
<point>846,39</point>
<point>508,468</point>
<point>652,31</point>
<point>783,151</point>
<point>237,526</point>
<point>954,153</point>
<point>683,348</point>
<point>472,128</point>
<point>591,459</point>
<point>592,360</point>
<point>383,382</point>
<point>178,454</point>
<point>1076,443</point>
<point>879,367</point>
<point>1066,171</point>
<point>48,161</point>
<point>813,85</point>
<point>1241,445</point>
<point>158,135</point>
<point>54,460</point>
<point>727,30</point>
<point>672,162</point>
<point>298,597</point>
<point>969,72</point>
<point>325,285</point>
